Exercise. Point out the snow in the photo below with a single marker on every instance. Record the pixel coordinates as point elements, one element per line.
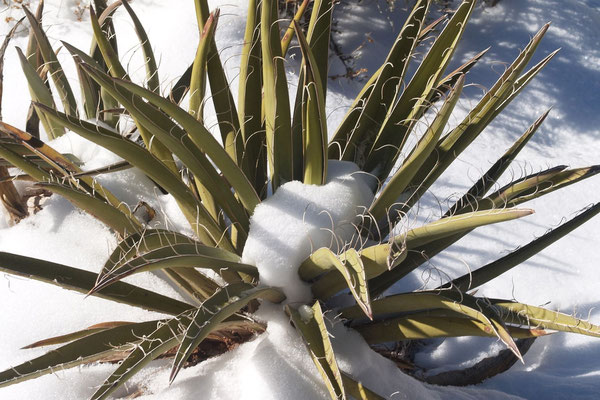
<point>298,219</point>
<point>276,365</point>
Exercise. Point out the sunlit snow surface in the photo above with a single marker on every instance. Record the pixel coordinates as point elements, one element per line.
<point>275,365</point>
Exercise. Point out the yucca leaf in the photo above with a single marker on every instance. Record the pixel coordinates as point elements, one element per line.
<point>492,175</point>
<point>198,78</point>
<point>558,181</point>
<point>222,99</point>
<point>24,163</point>
<point>154,343</point>
<point>525,314</point>
<point>490,271</point>
<point>450,80</point>
<point>98,208</point>
<point>83,281</point>
<point>152,78</point>
<point>90,95</point>
<point>200,286</point>
<point>276,99</point>
<point>105,19</point>
<point>445,227</point>
<point>171,256</point>
<point>427,325</point>
<point>115,167</point>
<point>384,204</point>
<point>349,264</point>
<point>116,70</point>
<point>385,264</point>
<point>182,86</point>
<point>69,337</point>
<point>41,93</point>
<point>528,184</point>
<point>472,307</point>
<point>503,91</point>
<point>369,109</point>
<point>204,140</point>
<point>56,72</point>
<point>319,28</point>
<point>314,118</point>
<point>179,143</point>
<point>415,99</point>
<point>34,57</point>
<point>357,390</point>
<point>141,243</point>
<point>250,104</point>
<point>310,324</point>
<point>430,239</point>
<point>88,349</point>
<point>214,311</point>
<point>205,227</point>
<point>289,33</point>
<point>62,163</point>
<point>375,260</point>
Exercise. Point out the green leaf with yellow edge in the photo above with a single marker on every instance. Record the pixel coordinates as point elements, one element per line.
<point>51,62</point>
<point>492,270</point>
<point>83,281</point>
<point>310,324</point>
<point>314,117</point>
<point>230,300</point>
<point>450,80</point>
<point>384,204</point>
<point>172,256</point>
<point>82,351</point>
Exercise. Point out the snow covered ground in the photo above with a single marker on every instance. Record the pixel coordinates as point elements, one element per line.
<point>557,367</point>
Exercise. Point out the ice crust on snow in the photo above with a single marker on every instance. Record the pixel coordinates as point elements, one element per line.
<point>298,219</point>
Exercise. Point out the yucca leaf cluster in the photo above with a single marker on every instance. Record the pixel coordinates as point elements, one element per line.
<point>265,143</point>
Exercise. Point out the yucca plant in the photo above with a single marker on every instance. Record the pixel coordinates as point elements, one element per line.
<point>268,154</point>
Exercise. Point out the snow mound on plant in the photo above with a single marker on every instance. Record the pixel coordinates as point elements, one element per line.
<point>298,219</point>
